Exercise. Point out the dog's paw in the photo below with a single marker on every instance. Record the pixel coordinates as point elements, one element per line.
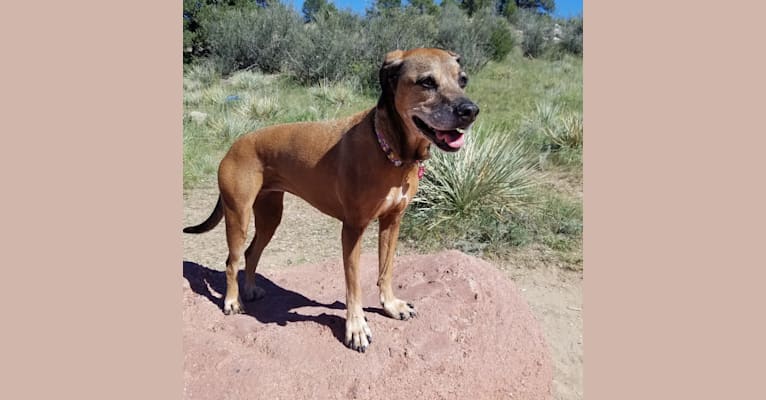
<point>233,307</point>
<point>253,293</point>
<point>399,309</point>
<point>358,334</point>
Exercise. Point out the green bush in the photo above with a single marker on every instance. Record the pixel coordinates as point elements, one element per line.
<point>330,48</point>
<point>339,45</point>
<point>397,29</point>
<point>543,36</point>
<point>484,36</point>
<point>493,33</point>
<point>456,32</point>
<point>557,136</point>
<point>566,133</point>
<point>473,195</point>
<point>251,37</point>
<point>194,45</point>
<point>501,41</point>
<point>537,31</point>
<point>571,40</point>
<point>508,10</point>
<point>201,74</point>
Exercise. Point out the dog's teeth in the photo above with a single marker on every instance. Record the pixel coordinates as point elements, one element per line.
<point>460,130</point>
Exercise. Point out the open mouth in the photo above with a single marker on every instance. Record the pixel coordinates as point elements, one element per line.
<point>451,140</point>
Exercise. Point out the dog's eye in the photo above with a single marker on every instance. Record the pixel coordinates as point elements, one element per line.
<point>462,81</point>
<point>427,82</point>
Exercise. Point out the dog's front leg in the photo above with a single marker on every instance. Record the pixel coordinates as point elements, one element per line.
<point>358,334</point>
<point>387,239</point>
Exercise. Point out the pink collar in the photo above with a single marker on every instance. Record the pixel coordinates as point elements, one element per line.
<point>389,152</point>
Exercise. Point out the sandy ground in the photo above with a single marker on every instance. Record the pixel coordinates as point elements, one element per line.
<point>474,336</point>
<point>553,293</point>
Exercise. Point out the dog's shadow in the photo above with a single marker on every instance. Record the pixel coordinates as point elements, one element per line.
<point>278,305</point>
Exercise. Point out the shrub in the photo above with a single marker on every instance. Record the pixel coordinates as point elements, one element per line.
<point>340,45</point>
<point>571,38</point>
<point>501,41</point>
<point>194,44</point>
<point>259,108</point>
<point>313,7</point>
<point>334,94</point>
<point>331,48</point>
<point>472,195</point>
<point>215,96</point>
<point>477,39</point>
<point>566,133</point>
<point>247,37</point>
<point>553,135</point>
<point>508,10</point>
<point>537,32</point>
<point>397,29</point>
<point>229,126</point>
<point>249,80</point>
<point>457,33</point>
<point>201,74</point>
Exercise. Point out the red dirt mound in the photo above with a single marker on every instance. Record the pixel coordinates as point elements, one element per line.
<point>474,336</point>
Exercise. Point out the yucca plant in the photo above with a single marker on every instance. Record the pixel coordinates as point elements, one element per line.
<point>249,80</point>
<point>546,113</point>
<point>566,133</point>
<point>259,108</point>
<point>192,97</point>
<point>489,178</point>
<point>204,74</point>
<point>336,94</point>
<point>191,84</point>
<point>215,95</point>
<point>231,126</point>
<point>572,130</point>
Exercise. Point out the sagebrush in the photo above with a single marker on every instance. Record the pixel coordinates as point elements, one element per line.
<point>340,45</point>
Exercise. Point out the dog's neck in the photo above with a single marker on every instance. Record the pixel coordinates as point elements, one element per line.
<point>410,149</point>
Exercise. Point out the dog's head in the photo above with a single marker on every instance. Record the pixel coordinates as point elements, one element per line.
<point>426,88</point>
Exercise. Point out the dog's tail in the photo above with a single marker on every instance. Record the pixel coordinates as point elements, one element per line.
<point>211,221</point>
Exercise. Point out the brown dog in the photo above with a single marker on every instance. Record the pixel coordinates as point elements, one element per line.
<point>357,169</point>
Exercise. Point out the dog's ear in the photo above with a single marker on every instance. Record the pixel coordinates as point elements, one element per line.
<point>454,55</point>
<point>389,71</point>
<point>393,57</point>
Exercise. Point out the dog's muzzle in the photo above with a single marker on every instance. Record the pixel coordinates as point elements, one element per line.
<point>448,125</point>
<point>467,111</point>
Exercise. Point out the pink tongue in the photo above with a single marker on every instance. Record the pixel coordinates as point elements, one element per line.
<point>453,140</point>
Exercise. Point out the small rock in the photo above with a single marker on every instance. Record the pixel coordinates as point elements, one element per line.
<point>198,116</point>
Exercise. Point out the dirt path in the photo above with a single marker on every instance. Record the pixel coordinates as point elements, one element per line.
<point>305,236</point>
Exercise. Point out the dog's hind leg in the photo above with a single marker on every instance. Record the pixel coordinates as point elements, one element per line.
<point>268,214</point>
<point>238,199</point>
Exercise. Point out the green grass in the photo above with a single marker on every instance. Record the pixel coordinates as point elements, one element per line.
<point>245,102</point>
<point>486,199</point>
<point>508,91</point>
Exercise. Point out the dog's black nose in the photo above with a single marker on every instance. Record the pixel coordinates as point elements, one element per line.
<point>467,110</point>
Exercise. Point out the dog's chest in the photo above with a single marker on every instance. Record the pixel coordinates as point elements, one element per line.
<point>395,201</point>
